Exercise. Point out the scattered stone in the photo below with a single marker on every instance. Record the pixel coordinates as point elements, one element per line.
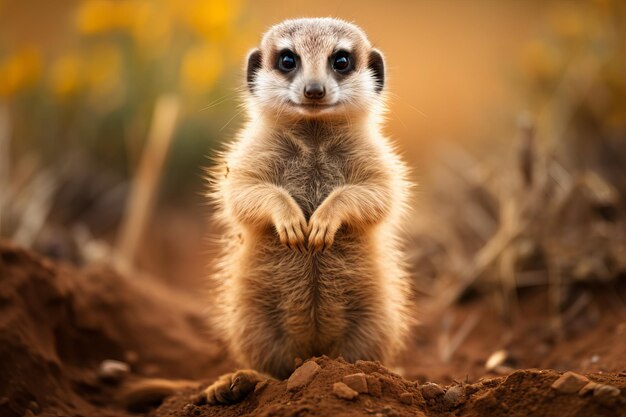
<point>389,411</point>
<point>151,370</point>
<point>188,409</point>
<point>587,388</point>
<point>601,390</point>
<point>357,382</point>
<point>34,407</point>
<point>431,390</point>
<point>113,371</point>
<point>131,357</point>
<point>297,363</point>
<point>570,382</point>
<point>455,396</point>
<point>341,390</point>
<point>374,387</point>
<point>369,366</point>
<point>496,359</point>
<point>302,376</point>
<point>406,398</point>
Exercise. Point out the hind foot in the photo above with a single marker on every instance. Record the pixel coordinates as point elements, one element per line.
<point>233,387</point>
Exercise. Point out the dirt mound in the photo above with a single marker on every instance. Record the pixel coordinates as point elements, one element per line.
<point>523,393</point>
<point>58,324</point>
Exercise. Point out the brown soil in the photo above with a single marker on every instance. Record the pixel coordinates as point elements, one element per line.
<point>522,393</point>
<point>57,324</point>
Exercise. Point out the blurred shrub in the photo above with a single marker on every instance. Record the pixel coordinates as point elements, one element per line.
<point>96,95</point>
<point>573,77</point>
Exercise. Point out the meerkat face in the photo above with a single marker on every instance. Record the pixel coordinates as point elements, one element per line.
<point>315,68</point>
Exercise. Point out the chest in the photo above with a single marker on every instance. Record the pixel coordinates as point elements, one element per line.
<point>311,173</point>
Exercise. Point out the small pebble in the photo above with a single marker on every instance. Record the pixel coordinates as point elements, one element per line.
<point>341,390</point>
<point>496,359</point>
<point>297,363</point>
<point>431,390</point>
<point>113,371</point>
<point>374,387</point>
<point>406,398</point>
<point>587,388</point>
<point>570,382</point>
<point>130,356</point>
<point>389,411</point>
<point>455,396</point>
<point>367,366</point>
<point>302,376</point>
<point>357,382</point>
<point>34,407</point>
<point>188,409</point>
<point>151,370</point>
<point>602,390</point>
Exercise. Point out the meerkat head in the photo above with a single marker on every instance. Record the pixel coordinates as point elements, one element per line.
<point>315,68</point>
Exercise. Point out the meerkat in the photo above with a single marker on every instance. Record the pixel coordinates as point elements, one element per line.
<point>311,196</point>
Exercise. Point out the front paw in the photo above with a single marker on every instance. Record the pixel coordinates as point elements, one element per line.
<point>232,388</point>
<point>291,229</point>
<point>322,229</point>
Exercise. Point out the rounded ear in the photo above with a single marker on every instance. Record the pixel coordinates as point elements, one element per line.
<point>254,64</point>
<point>376,64</point>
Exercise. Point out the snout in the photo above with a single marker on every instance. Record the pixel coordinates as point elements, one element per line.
<point>314,91</point>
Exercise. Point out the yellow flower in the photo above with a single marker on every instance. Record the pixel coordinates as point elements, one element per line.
<point>66,75</point>
<point>200,68</point>
<point>578,21</point>
<point>19,71</point>
<point>103,73</point>
<point>540,61</point>
<point>151,28</point>
<point>100,16</point>
<point>95,16</point>
<point>213,19</point>
<point>568,22</point>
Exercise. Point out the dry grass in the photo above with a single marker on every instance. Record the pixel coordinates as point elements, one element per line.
<point>496,228</point>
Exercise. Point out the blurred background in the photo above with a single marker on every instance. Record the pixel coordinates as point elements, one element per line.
<point>511,114</point>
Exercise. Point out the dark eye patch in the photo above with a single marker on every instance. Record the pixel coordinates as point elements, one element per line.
<point>287,61</point>
<point>342,62</point>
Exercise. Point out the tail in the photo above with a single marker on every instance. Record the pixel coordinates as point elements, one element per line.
<point>141,395</point>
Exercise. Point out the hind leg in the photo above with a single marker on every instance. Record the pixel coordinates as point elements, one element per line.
<point>233,387</point>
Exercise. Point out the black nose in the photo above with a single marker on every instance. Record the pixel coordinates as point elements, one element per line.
<point>314,91</point>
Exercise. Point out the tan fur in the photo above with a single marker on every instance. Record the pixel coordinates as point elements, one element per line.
<point>312,203</point>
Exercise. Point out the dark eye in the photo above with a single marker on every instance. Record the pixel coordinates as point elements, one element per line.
<point>342,62</point>
<point>287,61</point>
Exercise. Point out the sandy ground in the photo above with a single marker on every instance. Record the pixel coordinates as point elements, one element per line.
<point>58,324</point>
